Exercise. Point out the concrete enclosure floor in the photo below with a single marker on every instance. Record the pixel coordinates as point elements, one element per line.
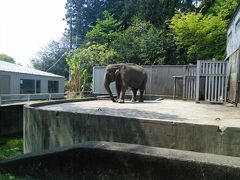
<point>165,110</point>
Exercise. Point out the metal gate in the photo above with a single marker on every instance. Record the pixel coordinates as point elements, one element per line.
<point>189,82</point>
<point>212,75</point>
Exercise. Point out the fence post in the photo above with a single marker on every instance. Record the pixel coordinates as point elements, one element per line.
<point>184,82</point>
<point>49,97</point>
<point>198,80</point>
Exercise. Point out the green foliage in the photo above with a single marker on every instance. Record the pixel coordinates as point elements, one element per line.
<point>202,36</point>
<point>82,15</point>
<point>82,60</point>
<point>140,43</point>
<point>13,177</point>
<point>10,147</point>
<point>223,8</point>
<point>52,58</point>
<point>4,57</point>
<point>105,31</point>
<point>115,31</point>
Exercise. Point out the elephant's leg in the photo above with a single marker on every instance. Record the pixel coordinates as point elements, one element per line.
<point>141,95</point>
<point>122,94</point>
<point>118,88</point>
<point>134,94</point>
<point>142,89</point>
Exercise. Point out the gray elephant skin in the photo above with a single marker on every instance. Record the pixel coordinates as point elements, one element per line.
<point>125,75</point>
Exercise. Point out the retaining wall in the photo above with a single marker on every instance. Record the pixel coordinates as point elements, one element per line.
<point>104,160</point>
<point>46,129</point>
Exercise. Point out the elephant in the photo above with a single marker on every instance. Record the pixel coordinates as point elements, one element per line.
<point>125,75</point>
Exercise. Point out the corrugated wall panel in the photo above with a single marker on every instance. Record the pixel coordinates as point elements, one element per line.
<point>160,80</point>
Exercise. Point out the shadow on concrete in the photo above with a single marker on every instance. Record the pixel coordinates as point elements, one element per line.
<point>133,113</point>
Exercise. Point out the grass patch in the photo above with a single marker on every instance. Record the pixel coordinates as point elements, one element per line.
<point>10,147</point>
<point>12,177</point>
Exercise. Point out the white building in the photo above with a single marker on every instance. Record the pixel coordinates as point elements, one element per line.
<point>233,33</point>
<point>233,56</point>
<point>16,79</point>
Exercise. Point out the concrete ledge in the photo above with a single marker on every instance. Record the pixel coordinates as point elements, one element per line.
<point>104,160</point>
<point>60,102</point>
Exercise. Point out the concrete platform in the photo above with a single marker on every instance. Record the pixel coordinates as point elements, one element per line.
<point>174,124</point>
<point>165,110</point>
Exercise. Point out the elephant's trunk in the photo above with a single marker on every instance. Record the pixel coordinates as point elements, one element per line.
<point>106,84</point>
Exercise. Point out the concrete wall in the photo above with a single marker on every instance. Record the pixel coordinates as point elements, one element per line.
<point>104,160</point>
<point>44,129</point>
<point>11,120</point>
<point>16,77</point>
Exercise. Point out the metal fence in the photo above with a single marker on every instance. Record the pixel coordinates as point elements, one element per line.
<point>212,75</point>
<point>205,81</point>
<point>189,82</point>
<point>21,98</point>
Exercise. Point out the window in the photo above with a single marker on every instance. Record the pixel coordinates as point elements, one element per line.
<point>27,86</point>
<point>38,86</point>
<point>52,86</point>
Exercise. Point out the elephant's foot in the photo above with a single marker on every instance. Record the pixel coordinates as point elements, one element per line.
<point>133,100</point>
<point>120,101</point>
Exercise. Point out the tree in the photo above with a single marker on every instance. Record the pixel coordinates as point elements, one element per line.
<point>4,57</point>
<point>203,37</point>
<point>81,61</point>
<point>52,58</point>
<point>223,8</point>
<point>105,31</point>
<point>82,15</point>
<point>141,43</point>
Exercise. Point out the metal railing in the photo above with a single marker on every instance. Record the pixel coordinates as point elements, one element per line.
<point>26,98</point>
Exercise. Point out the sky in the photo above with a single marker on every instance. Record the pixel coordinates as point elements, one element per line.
<point>26,26</point>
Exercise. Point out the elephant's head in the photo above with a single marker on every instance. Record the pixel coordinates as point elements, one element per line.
<point>111,74</point>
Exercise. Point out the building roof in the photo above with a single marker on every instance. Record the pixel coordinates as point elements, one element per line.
<point>10,67</point>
